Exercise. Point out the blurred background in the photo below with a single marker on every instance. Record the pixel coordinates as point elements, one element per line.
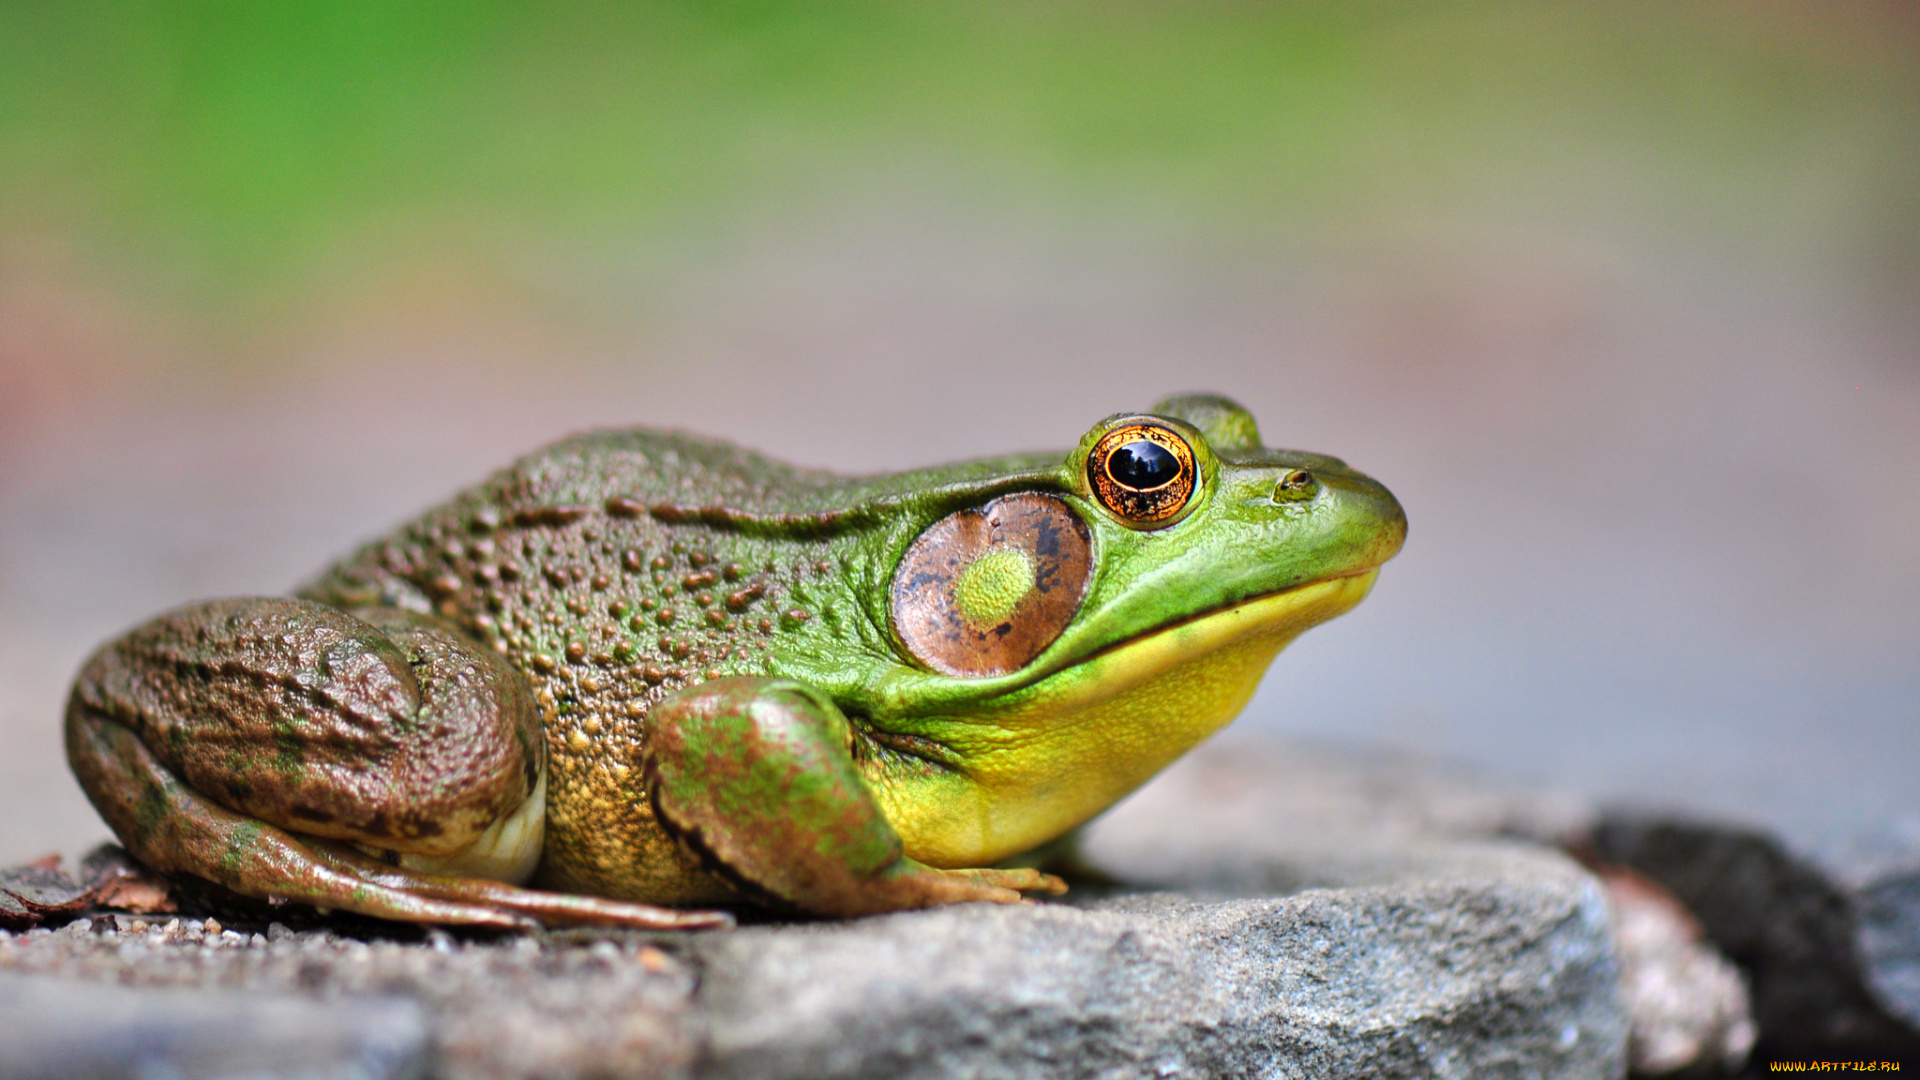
<point>1621,299</point>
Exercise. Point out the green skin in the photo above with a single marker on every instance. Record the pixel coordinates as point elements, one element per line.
<point>644,671</point>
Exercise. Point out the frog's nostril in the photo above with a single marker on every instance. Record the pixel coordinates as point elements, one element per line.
<point>1296,484</point>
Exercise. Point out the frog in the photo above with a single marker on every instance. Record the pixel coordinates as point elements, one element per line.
<point>642,678</point>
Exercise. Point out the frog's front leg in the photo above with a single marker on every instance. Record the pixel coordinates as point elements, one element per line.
<point>379,762</point>
<point>756,775</point>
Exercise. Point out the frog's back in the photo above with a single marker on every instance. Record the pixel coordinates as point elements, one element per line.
<point>614,568</point>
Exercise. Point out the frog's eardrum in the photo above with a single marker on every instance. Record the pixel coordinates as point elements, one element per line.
<point>985,590</point>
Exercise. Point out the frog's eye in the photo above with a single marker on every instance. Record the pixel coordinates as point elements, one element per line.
<point>1142,473</point>
<point>984,591</point>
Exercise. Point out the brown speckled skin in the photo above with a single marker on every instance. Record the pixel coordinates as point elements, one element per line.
<point>382,725</point>
<point>615,568</point>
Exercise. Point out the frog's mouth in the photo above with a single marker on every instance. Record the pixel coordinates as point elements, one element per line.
<point>1234,645</point>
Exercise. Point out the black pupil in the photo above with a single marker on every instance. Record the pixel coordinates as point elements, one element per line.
<point>1143,465</point>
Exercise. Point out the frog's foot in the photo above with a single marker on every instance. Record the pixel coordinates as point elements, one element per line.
<point>551,908</point>
<point>256,743</point>
<point>992,885</point>
<point>755,776</point>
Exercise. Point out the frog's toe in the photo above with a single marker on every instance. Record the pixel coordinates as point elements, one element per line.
<point>993,886</point>
<point>549,908</point>
<point>1027,879</point>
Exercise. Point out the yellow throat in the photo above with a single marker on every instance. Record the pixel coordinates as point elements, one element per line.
<point>1048,757</point>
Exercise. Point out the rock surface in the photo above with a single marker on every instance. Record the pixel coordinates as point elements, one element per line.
<point>1497,974</point>
<point>62,1029</point>
<point>1829,935</point>
<point>1339,923</point>
<point>1248,817</point>
<point>552,1007</point>
<point>1687,1004</point>
<point>1826,928</point>
<point>1472,976</point>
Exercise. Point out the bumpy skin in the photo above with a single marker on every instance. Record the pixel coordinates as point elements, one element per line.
<point>703,639</point>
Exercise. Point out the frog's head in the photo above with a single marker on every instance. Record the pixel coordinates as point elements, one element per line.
<point>1045,633</point>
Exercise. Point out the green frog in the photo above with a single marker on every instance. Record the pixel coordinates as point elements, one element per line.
<point>641,678</point>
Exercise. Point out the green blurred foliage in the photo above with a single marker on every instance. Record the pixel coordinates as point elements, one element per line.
<point>228,150</point>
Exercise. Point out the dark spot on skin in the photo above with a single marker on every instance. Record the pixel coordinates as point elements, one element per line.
<point>423,827</point>
<point>1046,541</point>
<point>152,808</point>
<point>533,516</point>
<point>1003,629</point>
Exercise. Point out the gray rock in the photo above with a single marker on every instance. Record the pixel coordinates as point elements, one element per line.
<point>1405,945</point>
<point>1887,914</point>
<point>1828,933</point>
<point>1254,817</point>
<point>1247,817</point>
<point>59,1029</point>
<point>1688,1005</point>
<point>1310,938</point>
<point>559,1006</point>
<point>1470,975</point>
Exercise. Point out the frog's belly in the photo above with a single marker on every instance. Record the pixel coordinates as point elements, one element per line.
<point>606,842</point>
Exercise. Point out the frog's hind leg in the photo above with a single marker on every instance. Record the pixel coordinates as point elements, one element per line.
<point>258,743</point>
<point>174,829</point>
